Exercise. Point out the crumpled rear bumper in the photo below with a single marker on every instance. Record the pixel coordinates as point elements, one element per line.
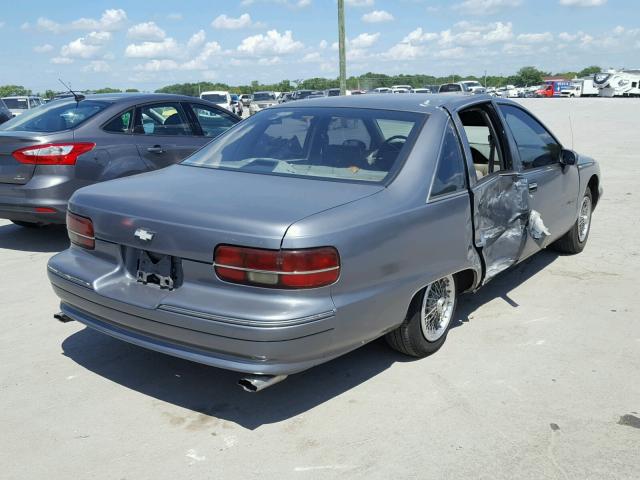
<point>286,348</point>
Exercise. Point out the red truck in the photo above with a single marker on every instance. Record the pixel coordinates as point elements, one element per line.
<point>552,88</point>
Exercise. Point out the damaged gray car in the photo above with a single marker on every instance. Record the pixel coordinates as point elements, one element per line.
<point>317,226</point>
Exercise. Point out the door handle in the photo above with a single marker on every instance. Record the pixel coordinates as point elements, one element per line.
<point>155,149</point>
<point>533,187</point>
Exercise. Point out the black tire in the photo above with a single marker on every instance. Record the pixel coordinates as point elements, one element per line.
<point>570,242</point>
<point>27,224</point>
<point>409,338</point>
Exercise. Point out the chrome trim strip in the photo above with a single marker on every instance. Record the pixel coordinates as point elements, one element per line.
<point>71,278</point>
<point>276,272</point>
<point>247,322</point>
<point>81,235</point>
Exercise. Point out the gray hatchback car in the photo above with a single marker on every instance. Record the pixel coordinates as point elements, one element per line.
<point>317,226</point>
<point>49,152</point>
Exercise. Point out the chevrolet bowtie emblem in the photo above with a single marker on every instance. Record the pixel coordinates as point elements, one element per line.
<point>144,235</point>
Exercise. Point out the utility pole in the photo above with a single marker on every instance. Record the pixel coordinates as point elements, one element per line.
<point>341,47</point>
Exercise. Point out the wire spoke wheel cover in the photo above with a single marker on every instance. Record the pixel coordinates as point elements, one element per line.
<point>584,219</point>
<point>437,308</point>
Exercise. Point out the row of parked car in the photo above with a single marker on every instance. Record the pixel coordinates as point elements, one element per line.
<point>273,244</point>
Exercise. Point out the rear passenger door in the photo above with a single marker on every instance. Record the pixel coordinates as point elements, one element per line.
<point>211,122</point>
<point>164,134</point>
<point>553,188</point>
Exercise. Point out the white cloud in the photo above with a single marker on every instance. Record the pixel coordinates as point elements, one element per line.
<point>452,41</point>
<point>224,22</point>
<point>97,38</point>
<point>359,3</point>
<point>168,48</point>
<point>364,40</point>
<point>147,31</point>
<point>486,7</point>
<point>61,60</point>
<point>158,66</point>
<point>449,53</point>
<point>269,61</point>
<point>200,61</point>
<point>311,57</point>
<point>174,16</point>
<point>535,37</point>
<point>2,24</point>
<point>85,47</point>
<point>418,36</point>
<point>111,20</point>
<point>294,4</point>
<point>377,16</point>
<point>43,48</point>
<point>567,37</point>
<point>583,3</point>
<point>271,43</point>
<point>46,25</point>
<point>499,32</point>
<point>97,66</point>
<point>196,39</point>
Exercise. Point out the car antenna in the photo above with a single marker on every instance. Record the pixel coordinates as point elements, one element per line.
<point>77,96</point>
<point>571,129</point>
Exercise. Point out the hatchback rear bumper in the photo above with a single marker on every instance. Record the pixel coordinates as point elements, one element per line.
<point>294,346</point>
<point>25,202</point>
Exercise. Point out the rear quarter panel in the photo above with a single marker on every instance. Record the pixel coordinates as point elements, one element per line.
<point>393,243</point>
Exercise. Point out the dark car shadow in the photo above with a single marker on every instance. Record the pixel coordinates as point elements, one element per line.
<point>212,394</point>
<point>502,285</point>
<point>52,238</point>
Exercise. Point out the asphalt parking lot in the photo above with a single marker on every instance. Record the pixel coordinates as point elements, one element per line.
<point>538,379</point>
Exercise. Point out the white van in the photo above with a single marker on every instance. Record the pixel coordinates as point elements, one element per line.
<point>219,97</point>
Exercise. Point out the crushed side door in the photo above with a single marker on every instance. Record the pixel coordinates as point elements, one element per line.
<point>501,215</point>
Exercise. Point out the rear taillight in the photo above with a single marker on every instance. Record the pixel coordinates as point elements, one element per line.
<point>308,268</point>
<point>80,231</point>
<point>52,153</point>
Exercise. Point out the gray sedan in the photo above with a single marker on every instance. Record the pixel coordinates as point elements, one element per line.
<point>317,226</point>
<point>49,152</point>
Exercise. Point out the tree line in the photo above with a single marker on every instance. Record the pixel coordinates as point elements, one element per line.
<point>526,76</point>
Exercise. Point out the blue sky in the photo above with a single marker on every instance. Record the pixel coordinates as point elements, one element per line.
<point>133,44</point>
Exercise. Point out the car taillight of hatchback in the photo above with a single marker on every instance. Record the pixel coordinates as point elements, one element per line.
<point>53,153</point>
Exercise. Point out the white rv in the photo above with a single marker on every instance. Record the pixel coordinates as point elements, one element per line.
<point>618,83</point>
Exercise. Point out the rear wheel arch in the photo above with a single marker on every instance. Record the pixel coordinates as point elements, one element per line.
<point>466,280</point>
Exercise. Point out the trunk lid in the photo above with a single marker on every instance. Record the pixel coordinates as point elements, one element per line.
<point>189,210</point>
<point>11,170</point>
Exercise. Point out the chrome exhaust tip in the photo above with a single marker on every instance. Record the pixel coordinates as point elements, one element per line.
<point>255,383</point>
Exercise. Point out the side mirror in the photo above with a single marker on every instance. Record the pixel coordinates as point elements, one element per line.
<point>568,157</point>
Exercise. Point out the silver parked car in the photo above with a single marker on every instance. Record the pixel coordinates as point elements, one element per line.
<point>48,153</point>
<point>315,227</point>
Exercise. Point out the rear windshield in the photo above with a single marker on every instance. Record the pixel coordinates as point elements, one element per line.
<point>16,103</point>
<point>338,143</point>
<point>215,98</point>
<point>55,116</point>
<point>450,87</point>
<point>261,97</point>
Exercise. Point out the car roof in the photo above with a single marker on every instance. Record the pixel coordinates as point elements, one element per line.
<point>209,92</point>
<point>416,102</point>
<point>137,97</point>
